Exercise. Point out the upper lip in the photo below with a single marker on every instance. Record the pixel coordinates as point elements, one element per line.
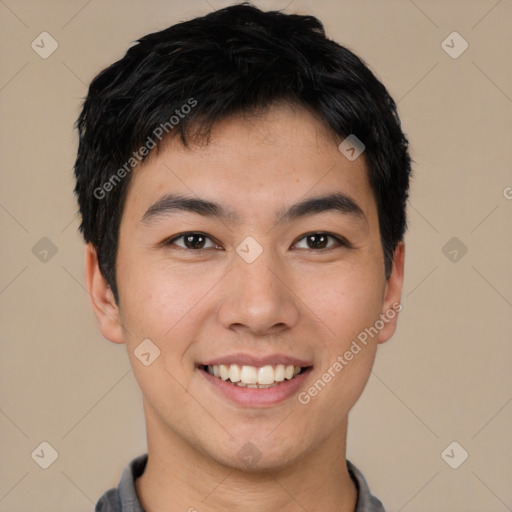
<point>257,361</point>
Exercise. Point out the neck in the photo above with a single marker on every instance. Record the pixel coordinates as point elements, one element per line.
<point>178,477</point>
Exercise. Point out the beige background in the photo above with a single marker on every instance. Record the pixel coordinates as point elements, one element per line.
<point>445,376</point>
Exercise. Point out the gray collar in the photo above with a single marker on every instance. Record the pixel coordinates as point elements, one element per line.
<point>124,497</point>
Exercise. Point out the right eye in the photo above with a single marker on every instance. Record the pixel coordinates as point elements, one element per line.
<point>192,240</point>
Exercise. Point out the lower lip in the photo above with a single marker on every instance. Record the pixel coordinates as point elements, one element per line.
<point>257,397</point>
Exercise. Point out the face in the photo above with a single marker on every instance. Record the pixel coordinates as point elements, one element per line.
<point>257,252</point>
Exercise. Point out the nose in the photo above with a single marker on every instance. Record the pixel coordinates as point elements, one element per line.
<point>259,297</point>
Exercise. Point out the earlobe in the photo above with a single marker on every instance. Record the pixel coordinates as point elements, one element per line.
<point>102,298</point>
<point>391,305</point>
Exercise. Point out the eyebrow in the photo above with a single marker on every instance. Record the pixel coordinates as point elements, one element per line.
<point>169,204</point>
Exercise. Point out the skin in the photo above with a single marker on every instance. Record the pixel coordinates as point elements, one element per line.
<point>294,299</point>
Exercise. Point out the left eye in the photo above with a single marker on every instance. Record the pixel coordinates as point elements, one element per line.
<point>317,241</point>
<point>193,241</point>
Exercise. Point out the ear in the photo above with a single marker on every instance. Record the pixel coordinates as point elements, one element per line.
<point>102,298</point>
<point>391,305</point>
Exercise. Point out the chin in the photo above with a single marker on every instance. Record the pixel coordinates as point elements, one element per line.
<point>259,454</point>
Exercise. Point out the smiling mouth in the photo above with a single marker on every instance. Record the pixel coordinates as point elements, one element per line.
<point>263,377</point>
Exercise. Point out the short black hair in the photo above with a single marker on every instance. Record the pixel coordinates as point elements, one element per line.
<point>184,79</point>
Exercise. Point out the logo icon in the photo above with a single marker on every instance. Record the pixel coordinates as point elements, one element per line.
<point>44,45</point>
<point>454,455</point>
<point>44,250</point>
<point>454,250</point>
<point>147,352</point>
<point>45,455</point>
<point>351,147</point>
<point>454,45</point>
<point>249,455</point>
<point>249,250</point>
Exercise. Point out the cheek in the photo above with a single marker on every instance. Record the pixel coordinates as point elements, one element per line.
<point>347,359</point>
<point>153,300</point>
<point>166,307</point>
<point>155,308</point>
<point>348,302</point>
<point>349,306</point>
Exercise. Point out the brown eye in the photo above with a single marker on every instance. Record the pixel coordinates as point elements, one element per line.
<point>193,241</point>
<point>317,241</point>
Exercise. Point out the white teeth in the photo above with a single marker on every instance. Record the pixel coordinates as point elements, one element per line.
<point>224,371</point>
<point>234,373</point>
<point>279,376</point>
<point>249,375</point>
<point>253,377</point>
<point>266,375</point>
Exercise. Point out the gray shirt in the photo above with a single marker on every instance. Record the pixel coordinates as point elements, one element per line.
<point>124,497</point>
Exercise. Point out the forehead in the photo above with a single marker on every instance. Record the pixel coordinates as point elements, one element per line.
<point>253,163</point>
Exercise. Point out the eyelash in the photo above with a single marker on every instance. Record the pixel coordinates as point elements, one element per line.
<point>342,242</point>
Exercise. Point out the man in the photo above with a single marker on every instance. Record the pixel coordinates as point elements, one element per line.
<point>242,182</point>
